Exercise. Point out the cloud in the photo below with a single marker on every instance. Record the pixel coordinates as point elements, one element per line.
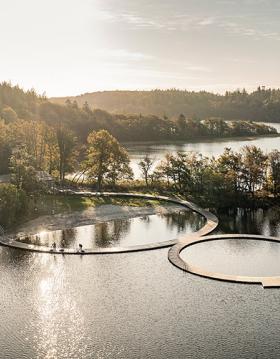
<point>130,18</point>
<point>183,65</point>
<point>240,60</point>
<point>123,58</point>
<point>123,54</point>
<point>206,21</point>
<point>254,25</point>
<point>244,30</point>
<point>160,74</point>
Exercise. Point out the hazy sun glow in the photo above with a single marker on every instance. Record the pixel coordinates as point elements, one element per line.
<point>70,47</point>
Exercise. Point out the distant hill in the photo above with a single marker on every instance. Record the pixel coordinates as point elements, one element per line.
<point>260,105</point>
<point>17,105</point>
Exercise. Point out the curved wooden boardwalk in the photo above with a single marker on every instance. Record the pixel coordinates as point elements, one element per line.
<point>175,258</point>
<point>177,245</point>
<point>211,224</point>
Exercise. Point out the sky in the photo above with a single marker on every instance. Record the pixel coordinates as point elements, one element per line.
<point>69,47</point>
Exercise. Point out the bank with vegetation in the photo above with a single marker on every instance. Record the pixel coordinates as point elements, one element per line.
<point>56,135</point>
<point>249,178</point>
<point>41,143</point>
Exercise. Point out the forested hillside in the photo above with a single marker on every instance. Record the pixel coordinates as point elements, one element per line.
<point>16,105</point>
<point>37,136</point>
<point>260,105</point>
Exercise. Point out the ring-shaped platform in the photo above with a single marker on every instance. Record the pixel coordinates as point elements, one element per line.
<point>175,258</point>
<point>210,225</point>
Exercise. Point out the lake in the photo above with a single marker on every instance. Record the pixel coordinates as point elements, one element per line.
<point>123,232</point>
<point>239,256</point>
<point>138,305</point>
<point>207,147</point>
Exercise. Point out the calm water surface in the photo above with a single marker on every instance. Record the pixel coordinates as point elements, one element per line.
<point>236,257</point>
<point>240,256</point>
<point>208,148</point>
<point>124,232</point>
<point>136,305</point>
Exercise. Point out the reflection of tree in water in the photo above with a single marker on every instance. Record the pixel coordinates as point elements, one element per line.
<point>183,220</point>
<point>110,233</point>
<point>12,257</point>
<point>105,234</point>
<point>272,217</point>
<point>68,237</point>
<point>146,219</point>
<point>242,220</point>
<point>235,221</point>
<point>62,238</point>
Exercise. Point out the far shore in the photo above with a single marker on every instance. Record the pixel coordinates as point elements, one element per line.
<point>199,139</point>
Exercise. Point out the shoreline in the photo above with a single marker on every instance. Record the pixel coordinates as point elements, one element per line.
<point>198,139</point>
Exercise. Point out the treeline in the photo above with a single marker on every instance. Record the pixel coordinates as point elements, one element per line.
<point>30,146</point>
<point>231,179</point>
<point>56,141</point>
<point>16,103</point>
<point>38,136</point>
<point>19,108</point>
<point>260,105</point>
<point>145,128</point>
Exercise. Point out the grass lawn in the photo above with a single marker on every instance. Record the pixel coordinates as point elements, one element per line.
<point>48,204</point>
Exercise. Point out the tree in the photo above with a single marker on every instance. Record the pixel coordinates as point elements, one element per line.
<point>66,142</point>
<point>31,135</point>
<point>146,165</point>
<point>86,107</point>
<point>176,169</point>
<point>216,127</point>
<point>106,159</point>
<point>253,168</point>
<point>274,163</point>
<point>23,174</point>
<point>52,152</point>
<point>5,148</point>
<point>12,204</point>
<point>181,123</point>
<point>9,115</point>
<point>229,166</point>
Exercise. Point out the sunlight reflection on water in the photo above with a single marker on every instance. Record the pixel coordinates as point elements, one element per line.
<point>123,232</point>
